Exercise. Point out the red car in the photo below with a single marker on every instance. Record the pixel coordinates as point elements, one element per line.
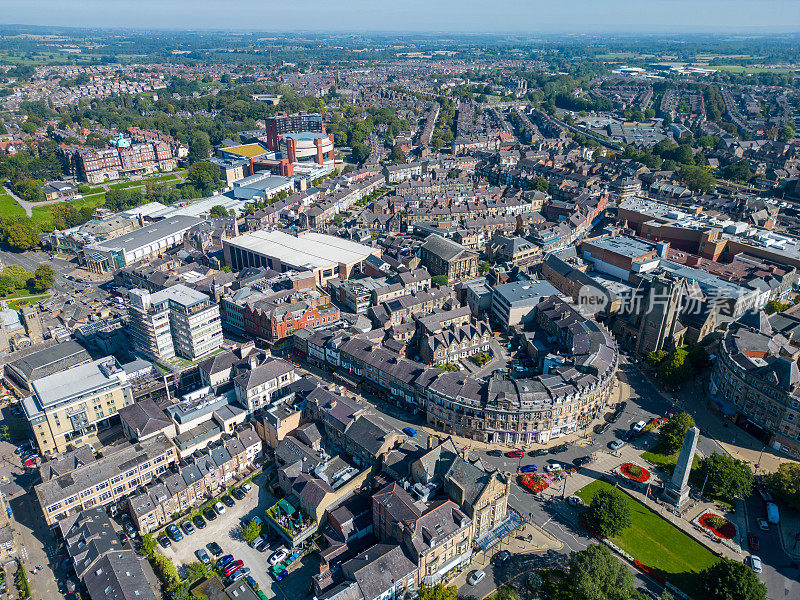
<point>753,542</point>
<point>233,567</point>
<point>515,454</point>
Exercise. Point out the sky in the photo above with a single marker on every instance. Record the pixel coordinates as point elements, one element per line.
<point>489,16</point>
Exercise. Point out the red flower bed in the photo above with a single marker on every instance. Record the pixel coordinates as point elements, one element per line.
<point>533,482</point>
<point>625,469</point>
<point>652,572</point>
<point>727,531</point>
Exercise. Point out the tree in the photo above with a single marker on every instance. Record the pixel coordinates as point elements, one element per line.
<point>148,545</point>
<point>17,275</point>
<point>785,482</point>
<point>608,513</point>
<point>675,369</point>
<point>437,592</point>
<point>484,267</point>
<point>218,211</point>
<point>360,152</point>
<point>199,146</point>
<point>43,278</point>
<point>730,580</point>
<point>251,531</point>
<point>204,176</point>
<point>596,574</point>
<point>785,133</point>
<point>774,306</point>
<point>397,156</point>
<point>738,171</point>
<point>21,236</point>
<point>180,592</point>
<point>697,179</point>
<point>439,280</point>
<point>165,570</point>
<point>196,570</point>
<point>726,477</point>
<point>670,438</point>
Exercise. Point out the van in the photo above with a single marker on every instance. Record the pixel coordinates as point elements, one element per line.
<point>773,516</point>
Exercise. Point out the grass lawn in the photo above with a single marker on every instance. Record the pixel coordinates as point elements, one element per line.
<point>10,207</point>
<point>15,304</point>
<point>742,69</point>
<point>44,217</point>
<point>657,543</point>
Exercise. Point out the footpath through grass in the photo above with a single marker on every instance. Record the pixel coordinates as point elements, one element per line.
<point>10,207</point>
<point>657,543</point>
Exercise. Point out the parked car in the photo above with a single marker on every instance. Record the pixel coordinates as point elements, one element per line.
<point>629,435</point>
<point>527,469</point>
<point>755,562</point>
<point>558,449</point>
<point>199,522</point>
<point>232,568</point>
<point>237,493</point>
<point>553,467</point>
<point>244,571</point>
<point>409,431</point>
<point>174,533</point>
<point>495,453</point>
<point>602,428</point>
<point>638,426</point>
<point>228,501</point>
<point>476,577</point>
<point>501,557</point>
<point>278,556</point>
<point>202,556</point>
<point>246,488</point>
<point>582,460</point>
<point>773,516</point>
<point>29,462</point>
<point>219,508</point>
<point>515,454</point>
<point>265,545</point>
<point>575,501</point>
<point>214,548</point>
<point>225,561</point>
<point>187,527</point>
<point>164,541</point>
<point>257,543</point>
<point>753,542</point>
<point>616,444</point>
<point>537,453</point>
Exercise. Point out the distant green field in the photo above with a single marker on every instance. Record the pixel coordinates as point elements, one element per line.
<point>657,543</point>
<point>754,70</point>
<point>10,207</point>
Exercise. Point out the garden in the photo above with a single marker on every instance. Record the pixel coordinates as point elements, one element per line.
<point>655,544</point>
<point>635,472</point>
<point>717,525</point>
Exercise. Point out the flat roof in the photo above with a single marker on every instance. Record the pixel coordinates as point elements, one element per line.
<point>248,150</point>
<point>180,294</point>
<point>148,234</point>
<point>76,381</point>
<point>521,291</point>
<point>308,251</point>
<point>624,245</point>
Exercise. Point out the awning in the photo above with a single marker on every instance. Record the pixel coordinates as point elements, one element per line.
<point>286,507</point>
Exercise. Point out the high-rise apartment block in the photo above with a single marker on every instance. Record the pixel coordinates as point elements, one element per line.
<point>175,321</point>
<point>279,125</point>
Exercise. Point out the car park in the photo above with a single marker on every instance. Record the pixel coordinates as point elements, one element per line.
<point>278,556</point>
<point>164,541</point>
<point>616,444</point>
<point>753,542</point>
<point>209,514</point>
<point>537,453</point>
<point>202,556</point>
<point>228,501</point>
<point>409,431</point>
<point>187,527</point>
<point>174,533</point>
<point>231,568</point>
<point>214,548</point>
<point>237,493</point>
<point>476,577</point>
<point>553,467</point>
<point>515,454</point>
<point>755,562</point>
<point>219,507</point>
<point>527,469</point>
<point>199,522</point>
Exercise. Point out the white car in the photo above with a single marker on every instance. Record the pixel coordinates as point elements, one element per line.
<point>476,577</point>
<point>247,487</point>
<point>553,467</point>
<point>616,444</point>
<point>755,562</point>
<point>278,556</point>
<point>637,427</point>
<point>220,508</point>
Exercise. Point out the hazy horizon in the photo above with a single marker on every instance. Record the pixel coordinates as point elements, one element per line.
<point>415,16</point>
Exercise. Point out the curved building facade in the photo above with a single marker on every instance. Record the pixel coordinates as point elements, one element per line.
<point>307,147</point>
<point>579,361</point>
<point>756,378</point>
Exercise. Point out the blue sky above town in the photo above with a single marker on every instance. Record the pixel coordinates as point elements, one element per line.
<point>525,16</point>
